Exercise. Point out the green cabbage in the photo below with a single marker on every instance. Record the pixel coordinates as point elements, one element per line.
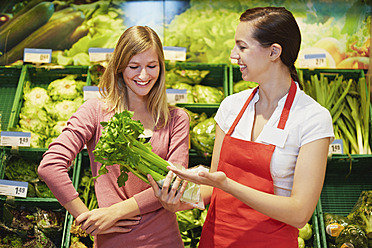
<point>207,94</point>
<point>203,136</point>
<point>63,110</point>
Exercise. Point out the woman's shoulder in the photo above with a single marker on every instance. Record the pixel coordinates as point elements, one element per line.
<point>177,113</point>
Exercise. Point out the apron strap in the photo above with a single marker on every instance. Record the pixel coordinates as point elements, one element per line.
<point>287,105</point>
<point>237,119</point>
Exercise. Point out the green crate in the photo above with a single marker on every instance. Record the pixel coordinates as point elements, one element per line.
<point>41,77</point>
<point>345,179</point>
<point>235,76</point>
<point>31,205</point>
<point>216,78</point>
<point>9,78</point>
<point>35,155</point>
<point>314,221</point>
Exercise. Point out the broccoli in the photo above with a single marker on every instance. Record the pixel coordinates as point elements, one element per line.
<point>361,214</point>
<point>334,224</point>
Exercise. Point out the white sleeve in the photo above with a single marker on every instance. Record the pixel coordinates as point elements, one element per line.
<point>317,125</point>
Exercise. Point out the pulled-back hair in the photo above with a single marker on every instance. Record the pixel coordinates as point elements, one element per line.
<point>276,25</point>
<point>135,40</point>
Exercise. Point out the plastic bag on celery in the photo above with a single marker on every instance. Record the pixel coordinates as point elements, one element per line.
<point>192,194</point>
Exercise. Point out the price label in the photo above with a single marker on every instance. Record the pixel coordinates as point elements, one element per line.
<point>91,92</point>
<point>37,56</point>
<point>176,96</point>
<point>174,53</point>
<point>100,54</point>
<point>315,60</point>
<point>13,188</point>
<point>336,147</point>
<point>9,138</point>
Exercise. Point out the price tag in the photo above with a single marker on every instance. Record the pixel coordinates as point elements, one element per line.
<point>176,96</point>
<point>174,53</point>
<point>9,138</point>
<point>336,147</point>
<point>100,54</point>
<point>37,56</point>
<point>91,92</point>
<point>13,188</point>
<point>314,60</point>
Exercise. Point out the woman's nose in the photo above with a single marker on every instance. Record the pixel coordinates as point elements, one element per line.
<point>143,74</point>
<point>234,54</point>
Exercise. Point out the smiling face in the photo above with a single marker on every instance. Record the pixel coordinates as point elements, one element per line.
<point>252,58</point>
<point>142,72</point>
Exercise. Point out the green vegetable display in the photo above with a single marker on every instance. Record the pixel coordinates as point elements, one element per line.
<point>352,235</point>
<point>348,101</point>
<point>30,227</point>
<point>355,229</point>
<point>45,112</point>
<point>20,169</point>
<point>207,94</point>
<point>361,214</point>
<point>190,223</point>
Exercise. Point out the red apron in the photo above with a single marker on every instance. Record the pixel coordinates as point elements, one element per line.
<point>230,222</point>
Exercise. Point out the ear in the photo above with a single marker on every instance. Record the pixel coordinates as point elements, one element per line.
<point>275,51</point>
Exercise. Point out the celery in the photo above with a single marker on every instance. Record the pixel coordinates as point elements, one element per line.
<point>120,144</point>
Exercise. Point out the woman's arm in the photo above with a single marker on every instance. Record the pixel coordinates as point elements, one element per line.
<point>295,210</point>
<point>116,218</point>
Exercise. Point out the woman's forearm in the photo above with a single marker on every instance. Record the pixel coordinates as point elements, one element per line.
<point>76,207</point>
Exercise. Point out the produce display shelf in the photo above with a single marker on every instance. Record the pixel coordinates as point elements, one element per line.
<point>41,77</point>
<point>9,78</point>
<point>344,181</point>
<point>217,77</point>
<point>209,109</point>
<point>31,205</point>
<point>34,155</point>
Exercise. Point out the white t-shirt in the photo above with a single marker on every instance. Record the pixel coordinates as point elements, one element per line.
<point>307,121</point>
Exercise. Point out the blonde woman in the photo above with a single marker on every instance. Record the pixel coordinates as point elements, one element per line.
<point>129,216</point>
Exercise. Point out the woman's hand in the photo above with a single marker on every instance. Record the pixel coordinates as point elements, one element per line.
<point>103,220</point>
<point>170,197</point>
<point>216,179</point>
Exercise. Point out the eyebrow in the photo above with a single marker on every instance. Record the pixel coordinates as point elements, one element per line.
<point>150,62</point>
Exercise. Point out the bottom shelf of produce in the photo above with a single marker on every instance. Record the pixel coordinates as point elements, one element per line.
<point>346,195</point>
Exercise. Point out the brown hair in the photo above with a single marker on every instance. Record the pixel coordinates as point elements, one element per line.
<point>135,40</point>
<point>276,25</point>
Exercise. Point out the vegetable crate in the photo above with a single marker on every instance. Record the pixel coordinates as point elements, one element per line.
<point>41,77</point>
<point>31,223</point>
<point>21,165</point>
<point>42,110</point>
<point>83,182</point>
<point>345,179</point>
<point>234,76</point>
<point>9,79</point>
<point>217,76</point>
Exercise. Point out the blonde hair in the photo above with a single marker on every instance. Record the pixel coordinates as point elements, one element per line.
<point>135,40</point>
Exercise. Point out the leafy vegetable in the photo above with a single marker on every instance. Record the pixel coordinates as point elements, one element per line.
<point>66,88</point>
<point>202,137</point>
<point>120,144</point>
<point>207,94</point>
<point>243,85</point>
<point>190,223</point>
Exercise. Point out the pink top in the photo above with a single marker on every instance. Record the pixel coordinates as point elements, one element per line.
<point>158,227</point>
